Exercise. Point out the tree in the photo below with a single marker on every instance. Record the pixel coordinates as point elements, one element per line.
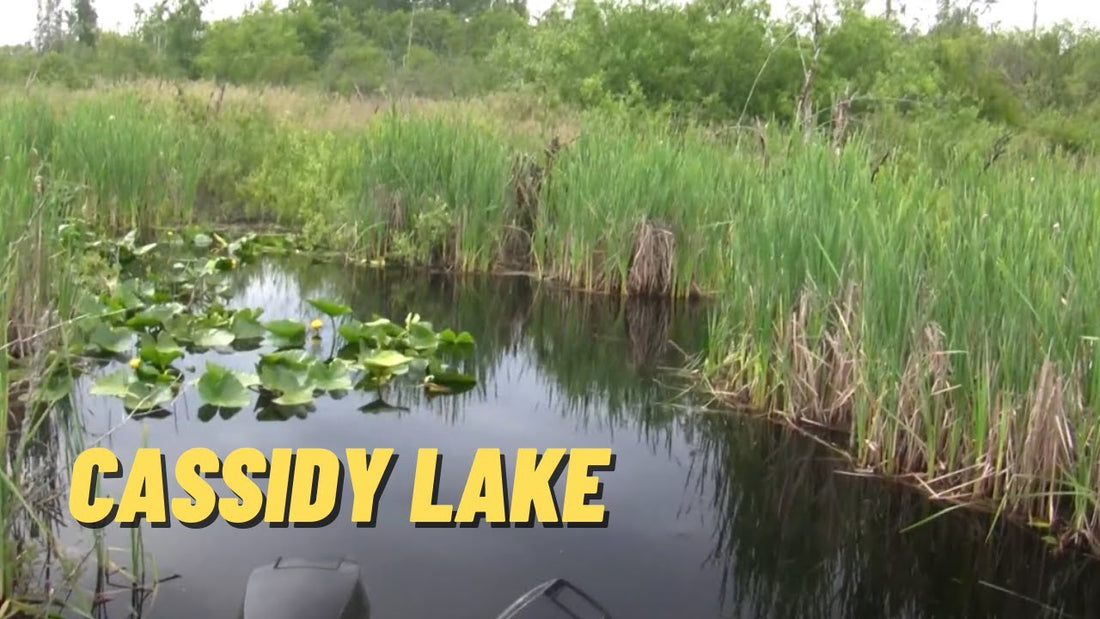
<point>175,33</point>
<point>83,22</point>
<point>48,32</point>
<point>261,45</point>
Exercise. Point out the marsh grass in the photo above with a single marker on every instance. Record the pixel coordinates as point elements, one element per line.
<point>36,435</point>
<point>947,326</point>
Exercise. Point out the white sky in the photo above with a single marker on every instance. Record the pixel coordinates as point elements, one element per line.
<point>18,16</point>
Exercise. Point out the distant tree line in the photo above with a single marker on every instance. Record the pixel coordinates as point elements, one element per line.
<point>719,60</point>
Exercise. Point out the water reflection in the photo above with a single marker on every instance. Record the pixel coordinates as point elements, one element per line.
<point>826,545</point>
<point>711,515</point>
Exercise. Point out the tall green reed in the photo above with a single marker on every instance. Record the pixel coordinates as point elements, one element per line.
<point>968,286</point>
<point>35,298</point>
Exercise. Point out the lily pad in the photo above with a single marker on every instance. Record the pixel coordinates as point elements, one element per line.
<point>286,372</point>
<point>329,307</point>
<point>148,373</point>
<point>282,379</point>
<point>213,338</point>
<point>110,340</point>
<point>331,376</point>
<point>295,398</point>
<point>248,379</point>
<point>128,295</point>
<point>451,379</point>
<point>294,358</point>
<point>286,333</point>
<point>154,316</point>
<point>116,384</point>
<point>220,387</point>
<point>353,331</point>
<point>147,396</point>
<point>245,324</point>
<point>447,336</point>
<point>225,264</point>
<point>386,359</point>
<point>422,338</point>
<point>161,352</point>
<point>285,328</point>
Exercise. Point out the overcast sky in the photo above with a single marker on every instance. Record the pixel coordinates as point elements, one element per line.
<point>17,23</point>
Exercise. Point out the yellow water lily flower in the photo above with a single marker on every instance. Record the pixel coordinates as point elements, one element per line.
<point>316,324</point>
<point>134,363</point>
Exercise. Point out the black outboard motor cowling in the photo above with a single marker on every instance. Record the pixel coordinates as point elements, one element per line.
<point>301,588</point>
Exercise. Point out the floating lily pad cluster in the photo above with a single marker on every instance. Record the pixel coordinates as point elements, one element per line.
<point>156,321</point>
<point>374,354</point>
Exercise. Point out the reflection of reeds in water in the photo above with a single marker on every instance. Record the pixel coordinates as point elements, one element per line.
<point>119,591</point>
<point>122,582</point>
<point>33,514</point>
<point>597,350</point>
<point>49,560</point>
<point>795,539</point>
<point>648,323</point>
<point>491,309</point>
<point>38,564</point>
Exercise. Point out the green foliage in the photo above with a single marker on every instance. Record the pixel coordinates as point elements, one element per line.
<point>174,35</point>
<point>223,388</point>
<point>138,314</point>
<point>355,66</point>
<point>716,60</point>
<point>259,46</point>
<point>83,23</point>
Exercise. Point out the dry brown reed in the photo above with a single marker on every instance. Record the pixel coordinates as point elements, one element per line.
<point>1018,469</point>
<point>516,249</point>
<point>650,269</point>
<point>527,119</point>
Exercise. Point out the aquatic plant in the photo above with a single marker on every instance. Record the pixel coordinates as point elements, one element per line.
<point>159,317</point>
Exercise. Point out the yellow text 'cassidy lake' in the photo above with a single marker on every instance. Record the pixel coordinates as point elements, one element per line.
<point>305,487</point>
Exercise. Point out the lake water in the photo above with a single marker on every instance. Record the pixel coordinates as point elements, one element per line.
<point>711,515</point>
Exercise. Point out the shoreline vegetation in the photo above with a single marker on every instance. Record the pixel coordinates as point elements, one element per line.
<point>914,280</point>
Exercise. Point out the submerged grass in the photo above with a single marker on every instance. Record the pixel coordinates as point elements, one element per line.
<point>943,317</point>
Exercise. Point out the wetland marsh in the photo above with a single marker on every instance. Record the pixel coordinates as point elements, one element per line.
<point>710,515</point>
<point>454,282</point>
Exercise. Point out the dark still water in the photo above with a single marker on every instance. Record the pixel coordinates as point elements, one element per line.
<point>710,515</point>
